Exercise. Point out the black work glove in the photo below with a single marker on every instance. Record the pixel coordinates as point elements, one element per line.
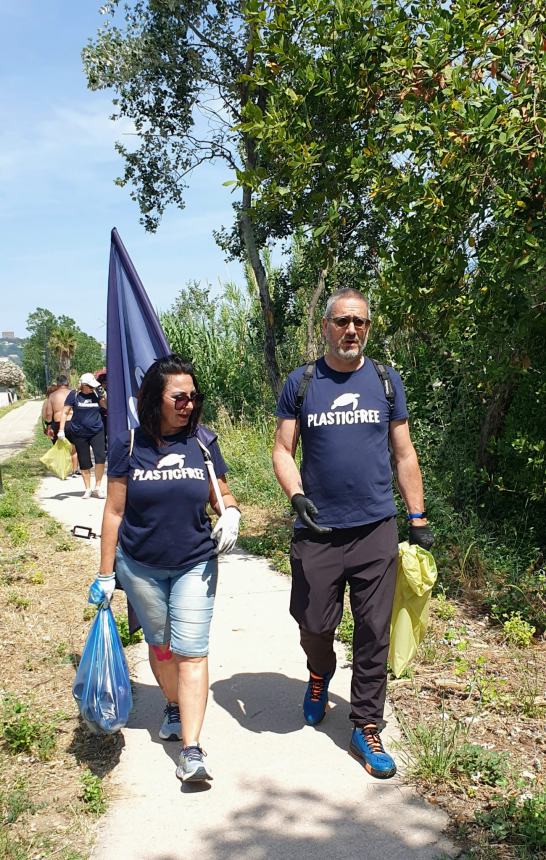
<point>100,392</point>
<point>307,512</point>
<point>422,536</point>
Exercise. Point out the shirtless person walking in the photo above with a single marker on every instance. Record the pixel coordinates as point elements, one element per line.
<point>54,409</point>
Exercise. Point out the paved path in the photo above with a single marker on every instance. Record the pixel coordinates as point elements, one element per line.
<point>17,428</point>
<point>281,789</point>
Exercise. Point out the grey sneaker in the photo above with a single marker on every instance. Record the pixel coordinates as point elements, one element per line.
<point>191,766</point>
<point>171,729</point>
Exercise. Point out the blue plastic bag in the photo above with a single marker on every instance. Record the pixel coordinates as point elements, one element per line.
<point>102,687</point>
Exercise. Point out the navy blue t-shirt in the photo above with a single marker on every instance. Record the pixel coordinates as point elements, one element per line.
<point>86,419</point>
<point>344,427</point>
<point>165,524</point>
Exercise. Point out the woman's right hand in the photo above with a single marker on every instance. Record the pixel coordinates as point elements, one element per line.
<point>102,589</point>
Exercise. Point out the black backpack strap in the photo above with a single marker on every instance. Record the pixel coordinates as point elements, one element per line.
<point>386,382</point>
<point>303,386</point>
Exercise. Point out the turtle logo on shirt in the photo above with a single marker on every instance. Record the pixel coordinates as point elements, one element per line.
<point>176,460</point>
<point>350,415</point>
<point>346,400</point>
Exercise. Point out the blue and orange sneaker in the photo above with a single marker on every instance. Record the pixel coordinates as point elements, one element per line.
<point>367,748</point>
<point>316,698</point>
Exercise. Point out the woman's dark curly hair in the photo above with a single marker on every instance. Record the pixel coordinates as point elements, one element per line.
<point>150,395</point>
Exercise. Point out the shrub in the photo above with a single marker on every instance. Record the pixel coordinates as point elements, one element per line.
<point>517,631</point>
<point>443,608</point>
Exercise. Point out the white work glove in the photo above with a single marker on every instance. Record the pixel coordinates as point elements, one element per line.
<point>226,530</point>
<point>102,589</point>
<point>60,435</point>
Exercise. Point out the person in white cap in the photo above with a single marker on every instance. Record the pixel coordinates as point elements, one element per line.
<point>85,430</point>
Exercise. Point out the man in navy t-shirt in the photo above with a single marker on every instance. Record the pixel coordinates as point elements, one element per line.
<point>345,529</point>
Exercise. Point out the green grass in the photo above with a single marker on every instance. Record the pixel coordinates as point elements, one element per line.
<point>430,750</point>
<point>14,802</point>
<point>247,450</point>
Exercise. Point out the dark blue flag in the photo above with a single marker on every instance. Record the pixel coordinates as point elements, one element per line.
<point>134,339</point>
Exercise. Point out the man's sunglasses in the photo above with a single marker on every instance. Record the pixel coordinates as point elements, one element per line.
<point>182,400</point>
<point>343,322</point>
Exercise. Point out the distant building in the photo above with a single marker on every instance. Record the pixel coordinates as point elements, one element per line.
<point>11,347</point>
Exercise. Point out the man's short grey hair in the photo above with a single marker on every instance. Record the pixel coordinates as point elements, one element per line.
<point>346,293</point>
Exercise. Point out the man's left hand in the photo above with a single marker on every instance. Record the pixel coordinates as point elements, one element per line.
<point>422,536</point>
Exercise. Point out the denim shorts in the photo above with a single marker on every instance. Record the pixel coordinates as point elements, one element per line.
<point>173,606</point>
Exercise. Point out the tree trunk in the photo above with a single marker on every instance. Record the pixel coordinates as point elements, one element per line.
<point>494,419</point>
<point>249,239</point>
<point>317,292</point>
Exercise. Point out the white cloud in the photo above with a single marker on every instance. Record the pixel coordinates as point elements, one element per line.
<point>67,138</point>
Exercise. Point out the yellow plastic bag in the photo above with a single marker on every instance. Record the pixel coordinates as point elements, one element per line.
<point>58,459</point>
<point>414,581</point>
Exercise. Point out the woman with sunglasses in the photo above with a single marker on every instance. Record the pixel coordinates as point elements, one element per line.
<point>158,537</point>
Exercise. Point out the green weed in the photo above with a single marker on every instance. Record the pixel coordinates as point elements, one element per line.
<point>65,545</point>
<point>519,822</point>
<point>430,750</point>
<point>14,802</point>
<point>489,688</point>
<point>443,608</point>
<point>528,698</point>
<point>517,631</point>
<point>23,732</point>
<point>10,849</point>
<point>456,635</point>
<point>89,613</point>
<point>127,638</point>
<point>18,533</point>
<point>51,528</point>
<point>461,667</point>
<point>93,793</point>
<point>18,601</point>
<point>37,577</point>
<point>430,651</point>
<point>8,507</point>
<point>481,765</point>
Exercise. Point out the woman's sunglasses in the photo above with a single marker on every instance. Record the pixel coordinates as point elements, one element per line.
<point>182,400</point>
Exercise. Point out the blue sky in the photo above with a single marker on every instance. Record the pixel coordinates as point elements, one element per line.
<point>58,201</point>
